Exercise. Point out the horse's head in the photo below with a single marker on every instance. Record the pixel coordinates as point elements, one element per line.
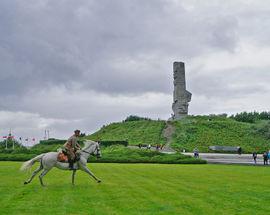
<point>97,151</point>
<point>92,148</point>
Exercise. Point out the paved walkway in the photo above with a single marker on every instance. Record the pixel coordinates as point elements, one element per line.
<point>218,158</point>
<point>229,158</point>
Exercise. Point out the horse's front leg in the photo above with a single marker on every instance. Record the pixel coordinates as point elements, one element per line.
<point>73,176</point>
<point>85,169</point>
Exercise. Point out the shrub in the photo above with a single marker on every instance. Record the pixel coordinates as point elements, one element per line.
<point>135,118</point>
<point>107,143</point>
<point>52,142</point>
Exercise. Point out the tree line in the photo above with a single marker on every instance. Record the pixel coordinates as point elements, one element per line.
<point>251,117</point>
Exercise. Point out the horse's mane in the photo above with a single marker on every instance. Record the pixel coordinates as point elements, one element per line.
<point>88,143</point>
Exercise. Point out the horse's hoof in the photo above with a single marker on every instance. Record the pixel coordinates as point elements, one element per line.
<point>25,182</point>
<point>98,181</point>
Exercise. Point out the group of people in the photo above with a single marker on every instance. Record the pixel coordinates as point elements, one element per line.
<point>266,157</point>
<point>157,146</point>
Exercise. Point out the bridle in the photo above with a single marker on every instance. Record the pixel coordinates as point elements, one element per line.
<point>97,151</point>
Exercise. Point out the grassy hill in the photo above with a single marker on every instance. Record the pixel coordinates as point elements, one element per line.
<point>135,132</point>
<point>191,132</point>
<point>202,132</point>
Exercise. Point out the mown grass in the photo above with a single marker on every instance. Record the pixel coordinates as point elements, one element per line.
<point>139,189</point>
<point>135,132</point>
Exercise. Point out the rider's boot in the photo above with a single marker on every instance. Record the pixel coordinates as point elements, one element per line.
<point>71,165</point>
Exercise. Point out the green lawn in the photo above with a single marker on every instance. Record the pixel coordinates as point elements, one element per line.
<point>139,189</point>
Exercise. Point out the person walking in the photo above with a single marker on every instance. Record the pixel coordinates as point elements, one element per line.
<point>265,158</point>
<point>196,153</point>
<point>239,150</point>
<point>254,155</point>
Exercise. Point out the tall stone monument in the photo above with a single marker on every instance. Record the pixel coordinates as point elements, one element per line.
<point>181,97</point>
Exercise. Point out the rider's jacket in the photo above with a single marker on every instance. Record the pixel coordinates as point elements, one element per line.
<point>72,143</point>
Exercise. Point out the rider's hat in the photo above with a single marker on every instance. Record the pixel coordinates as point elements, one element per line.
<point>77,131</point>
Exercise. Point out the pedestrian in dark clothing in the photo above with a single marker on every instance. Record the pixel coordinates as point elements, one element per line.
<point>265,158</point>
<point>239,150</point>
<point>196,153</point>
<point>254,155</point>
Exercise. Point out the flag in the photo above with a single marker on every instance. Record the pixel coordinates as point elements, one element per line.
<point>4,136</point>
<point>33,139</point>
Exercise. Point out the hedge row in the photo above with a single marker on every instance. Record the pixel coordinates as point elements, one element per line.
<point>107,143</point>
<point>52,142</point>
<point>16,157</point>
<point>121,154</point>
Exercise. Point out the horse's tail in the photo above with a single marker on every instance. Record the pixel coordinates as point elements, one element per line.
<point>28,164</point>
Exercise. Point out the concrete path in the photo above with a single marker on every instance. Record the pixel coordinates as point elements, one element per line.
<point>219,158</point>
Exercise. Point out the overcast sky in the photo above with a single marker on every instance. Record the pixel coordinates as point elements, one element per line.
<point>80,64</point>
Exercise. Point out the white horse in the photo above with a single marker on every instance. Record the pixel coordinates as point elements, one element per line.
<point>49,160</point>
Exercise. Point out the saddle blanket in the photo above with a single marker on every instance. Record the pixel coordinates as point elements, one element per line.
<point>62,157</point>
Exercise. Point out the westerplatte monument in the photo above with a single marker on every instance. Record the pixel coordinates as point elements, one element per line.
<point>181,97</point>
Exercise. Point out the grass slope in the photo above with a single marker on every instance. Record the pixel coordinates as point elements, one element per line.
<point>201,132</point>
<point>136,132</point>
<point>191,132</point>
<point>139,189</point>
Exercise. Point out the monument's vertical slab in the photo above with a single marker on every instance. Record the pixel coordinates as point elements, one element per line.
<point>181,97</point>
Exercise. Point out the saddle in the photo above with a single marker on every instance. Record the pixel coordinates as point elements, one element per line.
<point>62,157</point>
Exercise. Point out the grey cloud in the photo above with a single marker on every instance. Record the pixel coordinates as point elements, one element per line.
<point>52,42</point>
<point>231,83</point>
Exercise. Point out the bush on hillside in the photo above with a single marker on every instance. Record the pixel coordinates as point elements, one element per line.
<point>135,118</point>
<point>262,128</point>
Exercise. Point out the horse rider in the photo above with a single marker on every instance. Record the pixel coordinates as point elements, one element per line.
<point>71,146</point>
